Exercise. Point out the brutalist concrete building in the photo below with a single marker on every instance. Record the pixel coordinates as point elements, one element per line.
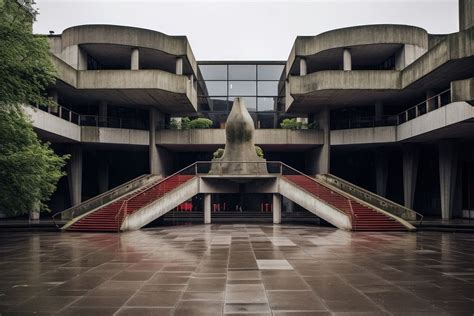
<point>388,108</point>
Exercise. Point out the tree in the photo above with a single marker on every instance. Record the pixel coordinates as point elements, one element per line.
<point>25,68</point>
<point>29,169</point>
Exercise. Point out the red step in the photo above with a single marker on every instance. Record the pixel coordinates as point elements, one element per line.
<point>363,217</point>
<point>108,219</point>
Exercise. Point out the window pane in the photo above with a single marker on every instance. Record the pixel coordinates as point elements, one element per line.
<point>242,72</point>
<point>266,121</point>
<point>238,88</point>
<point>268,88</point>
<point>250,103</point>
<point>266,104</point>
<point>216,88</point>
<point>218,104</point>
<point>270,72</point>
<point>214,72</point>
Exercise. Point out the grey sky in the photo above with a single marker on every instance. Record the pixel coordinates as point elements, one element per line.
<point>246,30</point>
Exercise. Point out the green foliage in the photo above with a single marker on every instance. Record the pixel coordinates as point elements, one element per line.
<point>187,123</point>
<point>29,169</point>
<point>259,151</point>
<point>200,123</point>
<point>25,68</point>
<point>291,124</point>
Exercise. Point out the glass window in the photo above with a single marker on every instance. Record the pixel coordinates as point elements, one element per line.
<point>218,104</point>
<point>216,88</point>
<point>214,72</point>
<point>239,88</point>
<point>266,104</point>
<point>266,120</point>
<point>250,103</point>
<point>242,72</point>
<point>268,88</point>
<point>270,72</point>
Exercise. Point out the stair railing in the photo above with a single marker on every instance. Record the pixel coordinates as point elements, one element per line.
<point>372,198</point>
<point>101,199</point>
<point>352,215</point>
<point>123,211</point>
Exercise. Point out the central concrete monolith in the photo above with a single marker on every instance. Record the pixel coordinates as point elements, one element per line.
<point>240,157</point>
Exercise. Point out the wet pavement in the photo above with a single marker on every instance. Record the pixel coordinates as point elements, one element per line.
<point>237,269</point>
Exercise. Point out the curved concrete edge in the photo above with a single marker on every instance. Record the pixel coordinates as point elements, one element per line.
<point>356,36</point>
<point>175,45</point>
<point>161,206</point>
<point>314,205</point>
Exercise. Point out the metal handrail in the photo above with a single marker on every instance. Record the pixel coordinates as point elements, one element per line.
<point>353,215</point>
<point>425,102</point>
<point>100,196</point>
<point>367,192</point>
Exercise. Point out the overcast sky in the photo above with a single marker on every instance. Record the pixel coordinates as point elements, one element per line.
<point>246,30</point>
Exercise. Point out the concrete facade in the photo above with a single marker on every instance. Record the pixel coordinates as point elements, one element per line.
<point>379,105</point>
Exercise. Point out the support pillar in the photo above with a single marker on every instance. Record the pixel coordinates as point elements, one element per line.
<point>347,59</point>
<point>207,208</point>
<point>153,150</point>
<point>411,154</point>
<point>103,173</point>
<point>303,67</point>
<point>135,59</point>
<point>318,160</point>
<point>448,167</point>
<point>35,212</point>
<point>179,66</point>
<point>381,173</point>
<point>276,208</point>
<point>75,175</point>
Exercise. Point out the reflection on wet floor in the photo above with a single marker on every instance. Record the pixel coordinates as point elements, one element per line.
<point>237,269</point>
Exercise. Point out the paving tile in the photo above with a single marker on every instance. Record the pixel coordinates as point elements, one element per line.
<point>162,299</point>
<point>245,294</point>
<point>199,308</point>
<point>274,265</point>
<point>295,301</point>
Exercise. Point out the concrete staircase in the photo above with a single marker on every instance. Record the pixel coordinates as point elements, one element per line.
<point>110,217</point>
<point>362,216</point>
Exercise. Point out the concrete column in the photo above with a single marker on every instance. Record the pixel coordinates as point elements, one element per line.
<point>276,209</point>
<point>411,153</point>
<point>381,173</point>
<point>35,212</point>
<point>347,59</point>
<point>466,15</point>
<point>318,159</point>
<point>207,208</point>
<point>75,175</point>
<point>430,104</point>
<point>179,66</point>
<point>153,151</point>
<point>448,167</point>
<point>135,59</point>
<point>303,67</point>
<point>103,113</point>
<point>103,173</point>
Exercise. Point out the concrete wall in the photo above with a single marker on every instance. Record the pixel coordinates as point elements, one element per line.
<point>90,134</point>
<point>466,14</point>
<point>217,137</point>
<point>462,90</point>
<point>61,129</point>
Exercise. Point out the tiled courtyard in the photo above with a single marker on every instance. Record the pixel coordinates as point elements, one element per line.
<point>237,269</point>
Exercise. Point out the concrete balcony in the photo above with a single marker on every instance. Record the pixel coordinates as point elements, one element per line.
<point>168,92</point>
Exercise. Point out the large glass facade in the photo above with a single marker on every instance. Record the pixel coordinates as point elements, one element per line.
<point>257,83</point>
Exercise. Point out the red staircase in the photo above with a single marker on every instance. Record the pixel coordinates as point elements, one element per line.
<point>363,217</point>
<point>109,218</point>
